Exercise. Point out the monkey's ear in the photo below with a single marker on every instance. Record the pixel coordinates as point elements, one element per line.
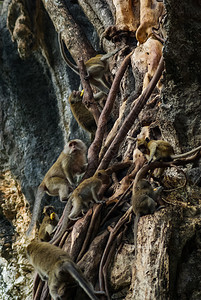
<point>147,140</point>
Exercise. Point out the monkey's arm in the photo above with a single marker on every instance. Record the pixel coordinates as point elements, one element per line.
<point>157,192</point>
<point>152,151</point>
<point>67,171</point>
<point>109,54</point>
<point>94,190</point>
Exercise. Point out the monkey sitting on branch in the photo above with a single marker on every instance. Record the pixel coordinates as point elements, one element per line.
<point>54,264</point>
<point>87,192</point>
<point>143,202</point>
<point>48,224</point>
<point>159,150</point>
<point>96,67</point>
<point>57,181</point>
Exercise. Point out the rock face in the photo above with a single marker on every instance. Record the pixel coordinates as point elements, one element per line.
<point>36,121</point>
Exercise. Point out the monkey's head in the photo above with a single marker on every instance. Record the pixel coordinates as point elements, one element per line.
<point>143,184</point>
<point>103,176</point>
<point>75,146</point>
<point>48,209</point>
<point>142,145</point>
<point>75,97</point>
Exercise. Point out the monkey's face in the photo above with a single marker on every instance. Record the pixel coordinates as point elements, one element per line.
<point>102,175</point>
<point>75,97</point>
<point>143,184</point>
<point>73,146</point>
<point>48,210</point>
<point>142,146</point>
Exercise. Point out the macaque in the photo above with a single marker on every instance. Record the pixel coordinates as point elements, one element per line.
<point>59,178</point>
<point>82,115</point>
<point>48,224</point>
<point>156,150</point>
<point>54,265</point>
<point>96,67</point>
<point>87,192</point>
<point>143,202</point>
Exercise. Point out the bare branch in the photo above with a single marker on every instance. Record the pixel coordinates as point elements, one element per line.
<point>93,153</point>
<point>72,35</point>
<point>131,117</point>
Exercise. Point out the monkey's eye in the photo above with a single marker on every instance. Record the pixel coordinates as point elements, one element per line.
<point>72,144</point>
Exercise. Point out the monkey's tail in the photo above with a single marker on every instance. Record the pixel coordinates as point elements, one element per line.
<point>69,266</point>
<point>39,196</point>
<point>135,231</point>
<point>187,153</point>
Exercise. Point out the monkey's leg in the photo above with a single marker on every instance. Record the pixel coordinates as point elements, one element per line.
<point>77,208</point>
<point>152,153</point>
<point>53,285</point>
<point>58,187</point>
<point>94,195</point>
<point>100,84</point>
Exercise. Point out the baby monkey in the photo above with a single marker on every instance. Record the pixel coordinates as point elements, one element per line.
<point>48,224</point>
<point>159,150</point>
<point>61,176</point>
<point>143,202</point>
<point>87,192</point>
<point>54,264</point>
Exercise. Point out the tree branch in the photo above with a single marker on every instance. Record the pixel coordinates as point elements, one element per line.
<point>114,147</point>
<point>93,153</point>
<point>88,98</point>
<point>73,36</point>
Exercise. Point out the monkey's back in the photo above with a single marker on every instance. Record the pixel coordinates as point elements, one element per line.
<point>163,149</point>
<point>56,168</point>
<point>143,204</point>
<point>83,116</point>
<point>84,188</point>
<point>44,256</point>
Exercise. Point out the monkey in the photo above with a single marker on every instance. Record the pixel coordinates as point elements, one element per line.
<point>86,192</point>
<point>156,150</point>
<point>59,178</point>
<point>143,202</point>
<point>55,266</point>
<point>96,67</point>
<point>48,224</point>
<point>82,115</point>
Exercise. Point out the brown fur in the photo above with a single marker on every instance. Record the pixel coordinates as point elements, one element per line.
<point>71,162</point>
<point>54,264</point>
<point>48,224</point>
